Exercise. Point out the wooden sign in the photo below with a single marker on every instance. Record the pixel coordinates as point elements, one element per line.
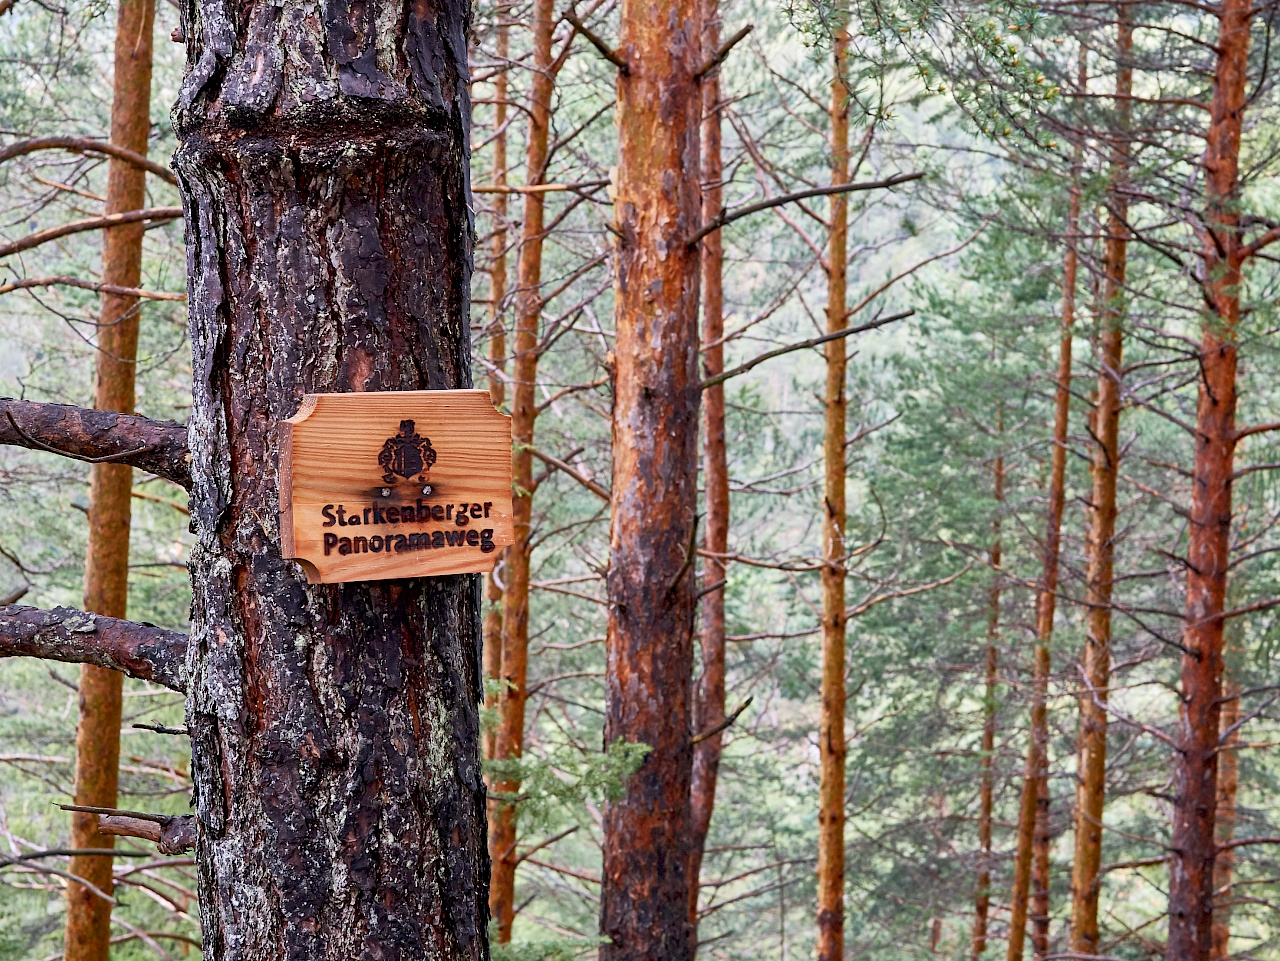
<point>395,484</point>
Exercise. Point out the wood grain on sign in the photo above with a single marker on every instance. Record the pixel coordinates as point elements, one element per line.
<point>395,484</point>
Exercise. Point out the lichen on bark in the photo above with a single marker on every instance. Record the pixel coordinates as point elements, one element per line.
<point>323,164</point>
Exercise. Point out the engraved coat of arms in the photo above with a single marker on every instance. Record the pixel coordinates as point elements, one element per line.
<point>406,455</point>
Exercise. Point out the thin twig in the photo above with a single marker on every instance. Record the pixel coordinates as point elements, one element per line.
<point>802,345</point>
<point>713,731</point>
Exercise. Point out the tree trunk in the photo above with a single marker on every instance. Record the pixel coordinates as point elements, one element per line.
<point>644,910</point>
<point>515,602</point>
<point>498,358</point>
<point>1196,762</point>
<point>982,902</point>
<point>1095,666</point>
<point>1047,594</point>
<point>106,577</point>
<point>709,705</point>
<point>831,738</point>
<point>1228,789</point>
<point>334,728</point>
<point>1040,872</point>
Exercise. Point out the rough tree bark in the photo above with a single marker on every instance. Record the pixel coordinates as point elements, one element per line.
<point>334,728</point>
<point>1047,592</point>
<point>524,411</point>
<point>708,711</point>
<point>1221,275</point>
<point>831,736</point>
<point>158,447</point>
<point>1095,666</point>
<point>497,357</point>
<point>79,637</point>
<point>986,790</point>
<point>106,574</point>
<point>644,910</point>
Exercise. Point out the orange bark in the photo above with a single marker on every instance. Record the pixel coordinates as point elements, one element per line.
<point>1222,261</point>
<point>982,902</point>
<point>1033,798</point>
<point>1228,790</point>
<point>708,709</point>
<point>515,601</point>
<point>831,736</point>
<point>498,358</point>
<point>644,912</point>
<point>106,590</point>
<point>1095,666</point>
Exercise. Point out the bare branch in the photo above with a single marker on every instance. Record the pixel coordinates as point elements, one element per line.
<point>606,51</point>
<point>65,634</point>
<point>716,729</point>
<point>157,447</point>
<point>720,55</point>
<point>87,145</point>
<point>1241,842</point>
<point>1244,432</point>
<point>92,223</point>
<point>535,189</point>
<point>811,342</point>
<point>64,281</point>
<point>174,834</point>
<point>726,216</point>
<point>566,469</point>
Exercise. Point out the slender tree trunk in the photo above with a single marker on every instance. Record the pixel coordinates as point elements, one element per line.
<point>644,912</point>
<point>1228,790</point>
<point>1041,842</point>
<point>1196,762</point>
<point>1095,666</point>
<point>334,728</point>
<point>1100,544</point>
<point>986,792</point>
<point>708,711</point>
<point>498,358</point>
<point>1047,595</point>
<point>106,578</point>
<point>515,602</point>
<point>831,737</point>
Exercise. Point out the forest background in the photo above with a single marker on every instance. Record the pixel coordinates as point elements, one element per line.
<point>950,446</point>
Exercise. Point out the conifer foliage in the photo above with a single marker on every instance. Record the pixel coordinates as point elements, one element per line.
<point>892,390</point>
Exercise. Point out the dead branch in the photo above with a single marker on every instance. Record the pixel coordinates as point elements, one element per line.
<point>87,145</point>
<point>65,634</point>
<point>566,469</point>
<point>536,188</point>
<point>716,729</point>
<point>1241,842</point>
<point>157,447</point>
<point>64,281</point>
<point>606,51</point>
<point>92,223</point>
<point>802,345</point>
<point>721,54</point>
<point>726,216</point>
<point>174,834</point>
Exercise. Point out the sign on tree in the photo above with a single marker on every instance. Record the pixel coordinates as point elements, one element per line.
<point>395,484</point>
